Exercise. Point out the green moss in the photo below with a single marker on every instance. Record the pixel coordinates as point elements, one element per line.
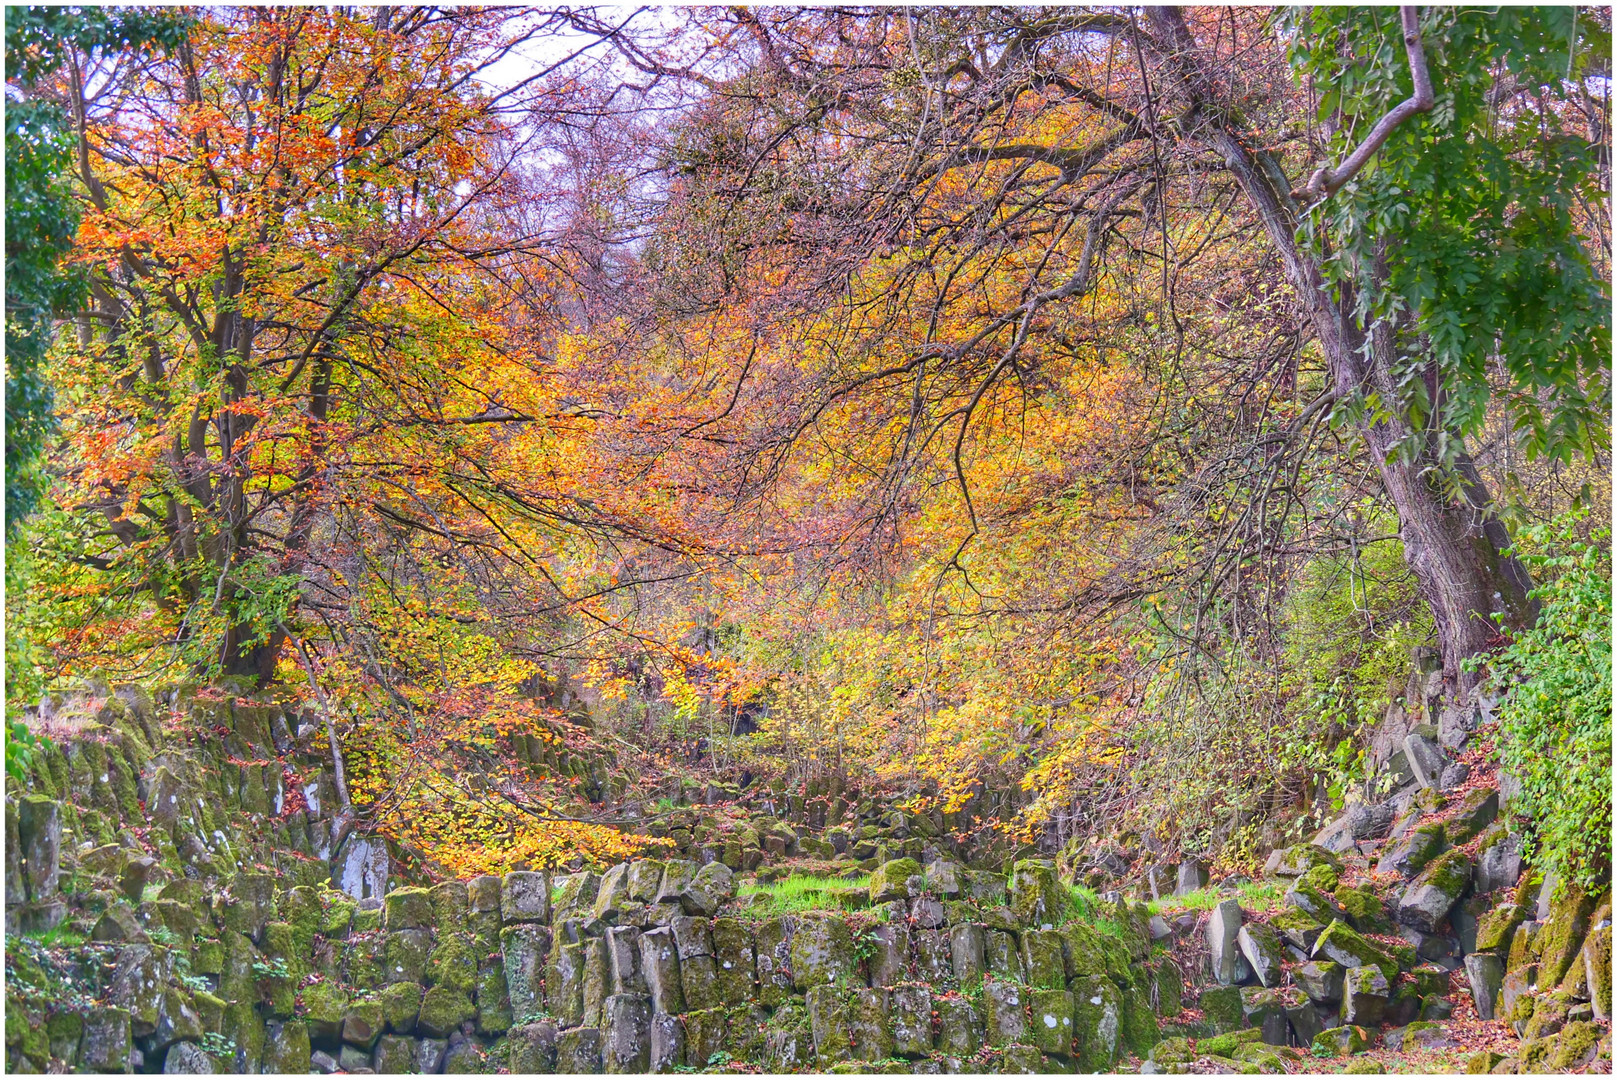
<point>1226,1045</point>
<point>401,1004</point>
<point>1322,876</point>
<point>453,964</point>
<point>324,1002</point>
<point>1364,909</point>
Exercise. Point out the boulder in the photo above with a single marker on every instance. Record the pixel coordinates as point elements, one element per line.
<point>946,878</point>
<point>1043,958</point>
<point>1345,946</point>
<point>1561,935</point>
<point>532,1048</point>
<point>1036,896</point>
<point>891,880</point>
<point>401,1006</point>
<point>1410,855</point>
<point>1297,930</point>
<point>911,1012</point>
<point>1222,1007</point>
<point>667,1044</point>
<point>708,890</point>
<point>493,999</point>
<point>407,909</point>
<point>659,963</point>
<point>1298,859</point>
<point>1597,968</point>
<point>890,953</point>
<point>286,1047</point>
<point>1192,875</point>
<point>623,960</point>
<point>524,897</point>
<point>1313,901</point>
<point>1497,928</point>
<point>1051,1016</point>
<point>828,1022</point>
<point>967,953</point>
<point>1260,946</point>
<point>868,1025</point>
<point>1097,1022</point>
<point>105,1043</point>
<point>573,897</point>
<point>363,1024</point>
<point>524,947</point>
<point>1485,973</point>
<point>1471,813</point>
<point>737,967</point>
<point>1357,823</point>
<point>1427,759</point>
<point>1265,1011</point>
<point>612,894</point>
<point>677,876</point>
<point>443,1010</point>
<point>189,1059</point>
<point>1223,927</point>
<point>1499,862</point>
<point>1365,991</point>
<point>822,952</point>
<point>645,879</point>
<point>578,1050</point>
<point>960,1026</point>
<point>1340,1042</point>
<point>1426,903</point>
<point>431,1055</point>
<point>626,1033</point>
<point>39,831</point>
<point>1003,1004</point>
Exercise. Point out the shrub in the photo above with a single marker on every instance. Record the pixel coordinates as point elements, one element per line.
<point>1555,705</point>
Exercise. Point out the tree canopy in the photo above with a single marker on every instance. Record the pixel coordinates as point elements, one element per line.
<point>1095,402</point>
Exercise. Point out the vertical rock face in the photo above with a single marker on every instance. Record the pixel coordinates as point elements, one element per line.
<point>1037,899</point>
<point>822,952</point>
<point>1229,966</point>
<point>1098,1022</point>
<point>39,830</point>
<point>626,1033</point>
<point>1003,1004</point>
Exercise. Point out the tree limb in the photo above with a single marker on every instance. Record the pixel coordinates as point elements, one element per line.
<point>1327,181</point>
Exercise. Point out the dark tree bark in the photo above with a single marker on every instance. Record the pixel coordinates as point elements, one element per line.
<point>1452,542</point>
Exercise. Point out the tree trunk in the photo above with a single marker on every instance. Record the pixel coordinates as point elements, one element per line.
<point>1455,547</point>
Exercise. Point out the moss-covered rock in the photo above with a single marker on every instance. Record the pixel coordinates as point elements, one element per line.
<point>405,955</point>
<point>401,1005</point>
<point>452,963</point>
<point>1036,896</point>
<point>1561,935</point>
<point>323,1007</point>
<point>407,909</point>
<point>1299,859</point>
<point>821,952</point>
<point>1364,910</point>
<point>286,1048</point>
<point>1427,901</point>
<point>1497,927</point>
<point>1340,1041</point>
<point>1098,1021</point>
<point>891,880</point>
<point>1343,945</point>
<point>494,1015</point>
<point>1221,1005</point>
<point>443,1010</point>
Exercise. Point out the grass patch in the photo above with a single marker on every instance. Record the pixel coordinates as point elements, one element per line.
<point>807,892</point>
<point>1254,896</point>
<point>60,937</point>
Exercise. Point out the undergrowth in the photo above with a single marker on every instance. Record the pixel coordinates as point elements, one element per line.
<point>810,892</point>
